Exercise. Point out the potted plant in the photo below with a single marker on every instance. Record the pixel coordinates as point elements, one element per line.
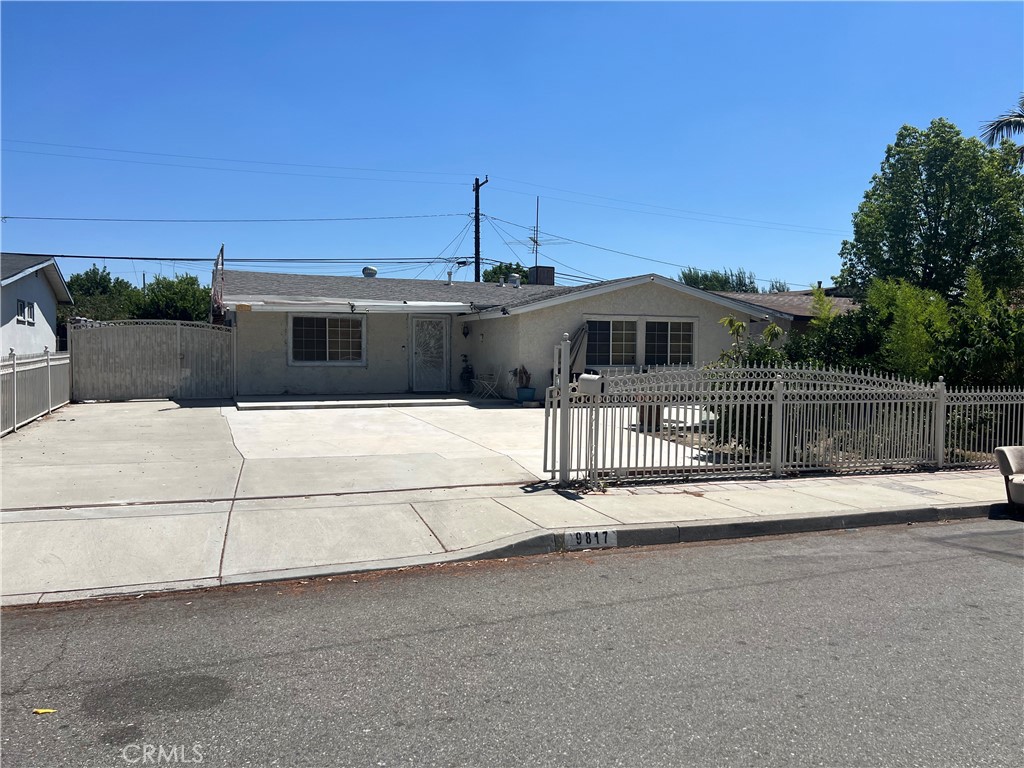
<point>524,391</point>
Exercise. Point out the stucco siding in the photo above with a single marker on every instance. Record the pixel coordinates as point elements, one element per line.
<point>264,367</point>
<point>538,331</point>
<point>24,338</point>
<point>495,346</point>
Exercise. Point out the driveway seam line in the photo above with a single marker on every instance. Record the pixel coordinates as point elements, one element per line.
<point>422,520</point>
<point>219,499</point>
<point>234,496</point>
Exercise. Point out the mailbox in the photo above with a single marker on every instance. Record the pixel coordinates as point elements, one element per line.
<point>589,384</point>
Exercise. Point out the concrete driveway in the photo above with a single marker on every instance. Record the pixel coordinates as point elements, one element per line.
<point>160,451</point>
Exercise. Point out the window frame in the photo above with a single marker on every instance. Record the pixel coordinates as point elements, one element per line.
<point>26,312</point>
<point>641,337</point>
<point>361,363</point>
<point>693,337</point>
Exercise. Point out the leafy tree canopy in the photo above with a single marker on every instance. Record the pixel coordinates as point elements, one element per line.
<point>940,204</point>
<point>506,270</point>
<point>740,281</point>
<point>984,341</point>
<point>98,296</point>
<point>180,298</point>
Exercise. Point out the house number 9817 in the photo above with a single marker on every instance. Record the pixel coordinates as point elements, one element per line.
<point>589,539</point>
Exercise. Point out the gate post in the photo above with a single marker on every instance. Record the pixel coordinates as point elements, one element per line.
<point>939,436</point>
<point>49,382</point>
<point>777,426</point>
<point>14,386</point>
<point>177,384</point>
<point>563,412</point>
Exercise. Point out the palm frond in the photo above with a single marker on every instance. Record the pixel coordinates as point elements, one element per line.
<point>1005,126</point>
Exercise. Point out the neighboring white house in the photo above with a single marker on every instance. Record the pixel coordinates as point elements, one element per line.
<point>31,287</point>
<point>315,334</point>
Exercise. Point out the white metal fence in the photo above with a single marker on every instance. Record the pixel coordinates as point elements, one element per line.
<point>758,420</point>
<point>31,386</point>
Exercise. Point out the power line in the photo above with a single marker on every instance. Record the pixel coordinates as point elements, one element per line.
<point>625,253</point>
<point>171,259</point>
<point>782,228</point>
<point>228,221</point>
<point>231,160</point>
<point>652,205</point>
<point>232,170</point>
<point>506,234</point>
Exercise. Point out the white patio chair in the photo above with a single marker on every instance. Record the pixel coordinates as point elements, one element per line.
<point>486,385</point>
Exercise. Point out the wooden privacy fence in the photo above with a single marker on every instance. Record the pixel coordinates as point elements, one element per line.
<point>32,386</point>
<point>136,359</point>
<point>753,420</point>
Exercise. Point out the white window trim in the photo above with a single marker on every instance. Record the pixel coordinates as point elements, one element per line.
<point>26,312</point>
<point>641,334</point>
<point>328,363</point>
<point>693,343</point>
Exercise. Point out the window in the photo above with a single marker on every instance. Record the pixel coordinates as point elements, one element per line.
<point>639,342</point>
<point>611,342</point>
<point>327,339</point>
<point>26,312</point>
<point>668,343</point>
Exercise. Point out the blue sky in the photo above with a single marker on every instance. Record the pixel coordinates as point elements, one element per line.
<point>703,134</point>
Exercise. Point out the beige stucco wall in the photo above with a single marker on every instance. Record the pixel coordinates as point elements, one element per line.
<point>264,368</point>
<point>529,338</point>
<point>493,345</point>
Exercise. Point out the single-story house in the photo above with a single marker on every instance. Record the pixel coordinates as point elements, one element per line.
<point>31,287</point>
<point>315,334</point>
<point>797,304</point>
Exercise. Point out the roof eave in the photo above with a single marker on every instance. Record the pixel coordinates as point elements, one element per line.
<point>629,282</point>
<point>53,277</point>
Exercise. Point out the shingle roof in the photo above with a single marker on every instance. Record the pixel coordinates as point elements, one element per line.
<point>239,286</point>
<point>796,303</point>
<point>12,264</point>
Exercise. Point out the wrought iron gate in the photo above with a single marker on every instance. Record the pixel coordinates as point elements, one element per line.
<point>138,359</point>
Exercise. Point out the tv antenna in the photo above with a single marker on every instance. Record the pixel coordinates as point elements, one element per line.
<point>534,240</point>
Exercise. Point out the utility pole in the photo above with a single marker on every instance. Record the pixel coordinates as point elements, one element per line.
<point>476,228</point>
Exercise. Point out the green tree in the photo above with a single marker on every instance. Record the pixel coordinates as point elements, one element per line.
<point>505,269</point>
<point>740,281</point>
<point>906,322</point>
<point>940,204</point>
<point>984,341</point>
<point>746,351</point>
<point>180,298</point>
<point>98,296</point>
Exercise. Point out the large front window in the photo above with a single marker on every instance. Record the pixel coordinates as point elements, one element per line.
<point>611,342</point>
<point>668,343</point>
<point>639,342</point>
<point>327,339</point>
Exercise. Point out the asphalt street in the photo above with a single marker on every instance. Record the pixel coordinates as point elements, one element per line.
<point>895,646</point>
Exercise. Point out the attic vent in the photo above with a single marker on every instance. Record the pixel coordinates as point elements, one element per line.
<point>369,271</point>
<point>515,280</point>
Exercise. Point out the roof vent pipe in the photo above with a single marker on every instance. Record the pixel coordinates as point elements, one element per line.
<point>449,278</point>
<point>516,280</point>
<point>369,271</point>
<point>501,282</point>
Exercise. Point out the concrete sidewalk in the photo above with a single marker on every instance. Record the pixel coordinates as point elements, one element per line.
<point>141,497</point>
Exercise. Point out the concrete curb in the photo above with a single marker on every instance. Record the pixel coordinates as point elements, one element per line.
<point>550,541</point>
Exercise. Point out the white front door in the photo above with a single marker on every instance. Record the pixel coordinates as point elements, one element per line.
<point>430,354</point>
